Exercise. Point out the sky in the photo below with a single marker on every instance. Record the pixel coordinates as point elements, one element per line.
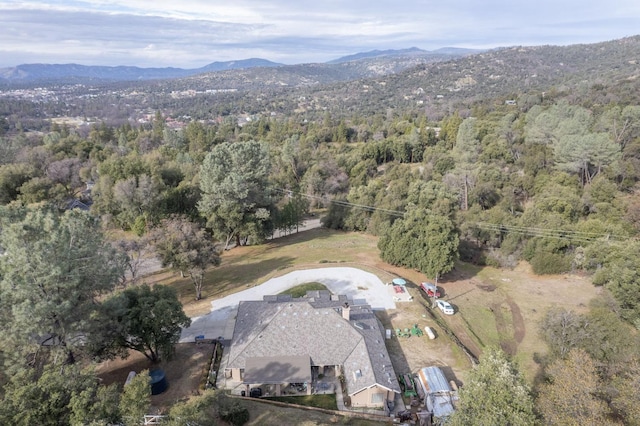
<point>194,33</point>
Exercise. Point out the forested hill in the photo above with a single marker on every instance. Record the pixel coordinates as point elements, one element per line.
<point>361,65</point>
<point>581,71</point>
<point>82,73</point>
<point>591,74</point>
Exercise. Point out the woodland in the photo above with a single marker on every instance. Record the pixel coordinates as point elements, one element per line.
<point>519,154</point>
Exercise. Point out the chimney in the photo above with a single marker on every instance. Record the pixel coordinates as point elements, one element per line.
<point>346,311</point>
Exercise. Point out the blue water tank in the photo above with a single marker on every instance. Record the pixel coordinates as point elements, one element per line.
<point>159,382</point>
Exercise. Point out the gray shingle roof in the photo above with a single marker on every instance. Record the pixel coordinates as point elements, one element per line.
<point>314,326</point>
<point>274,370</point>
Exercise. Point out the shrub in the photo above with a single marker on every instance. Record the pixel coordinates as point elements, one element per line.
<point>233,413</point>
<point>550,263</point>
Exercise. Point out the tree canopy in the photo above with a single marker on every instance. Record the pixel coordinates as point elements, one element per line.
<point>495,393</point>
<point>55,268</point>
<point>424,241</point>
<point>143,318</point>
<point>185,247</point>
<point>235,195</point>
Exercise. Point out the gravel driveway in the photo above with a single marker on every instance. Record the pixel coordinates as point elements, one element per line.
<point>360,286</point>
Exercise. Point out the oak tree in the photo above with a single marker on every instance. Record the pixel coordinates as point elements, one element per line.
<point>186,247</point>
<point>147,320</point>
<point>495,393</point>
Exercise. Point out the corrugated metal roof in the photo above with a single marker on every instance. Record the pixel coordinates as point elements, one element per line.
<point>440,405</point>
<point>433,380</point>
<point>437,390</point>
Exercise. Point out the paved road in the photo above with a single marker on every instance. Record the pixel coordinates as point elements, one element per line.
<point>150,264</point>
<point>306,225</point>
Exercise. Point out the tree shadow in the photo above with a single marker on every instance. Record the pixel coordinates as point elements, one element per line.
<point>450,375</point>
<point>462,271</point>
<point>396,353</point>
<point>230,277</point>
<point>300,237</point>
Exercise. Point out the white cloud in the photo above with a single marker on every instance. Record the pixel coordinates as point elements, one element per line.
<point>192,33</point>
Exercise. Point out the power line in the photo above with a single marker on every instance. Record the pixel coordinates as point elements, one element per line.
<point>343,203</point>
<point>578,236</point>
<point>549,233</point>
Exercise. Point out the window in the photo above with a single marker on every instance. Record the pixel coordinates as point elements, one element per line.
<point>377,398</point>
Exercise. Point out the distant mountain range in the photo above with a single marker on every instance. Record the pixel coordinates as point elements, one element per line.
<point>448,51</point>
<point>80,73</point>
<point>31,72</point>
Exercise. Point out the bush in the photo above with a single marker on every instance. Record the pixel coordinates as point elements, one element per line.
<point>550,263</point>
<point>335,216</point>
<point>233,413</point>
<point>139,226</point>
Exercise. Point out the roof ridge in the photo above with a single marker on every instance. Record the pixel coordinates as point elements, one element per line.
<point>257,335</point>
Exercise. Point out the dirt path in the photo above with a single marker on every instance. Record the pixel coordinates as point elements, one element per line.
<point>519,329</point>
<point>509,324</point>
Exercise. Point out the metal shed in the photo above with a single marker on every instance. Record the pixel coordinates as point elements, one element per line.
<point>438,393</point>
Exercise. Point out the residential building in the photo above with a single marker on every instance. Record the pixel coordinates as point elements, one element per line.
<point>284,342</point>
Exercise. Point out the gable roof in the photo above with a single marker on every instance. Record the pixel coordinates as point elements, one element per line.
<point>281,327</point>
<point>370,357</point>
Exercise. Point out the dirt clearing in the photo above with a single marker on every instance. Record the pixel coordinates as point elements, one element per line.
<point>184,373</point>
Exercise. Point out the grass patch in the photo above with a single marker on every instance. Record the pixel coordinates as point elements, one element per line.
<point>244,267</point>
<point>481,324</point>
<point>264,414</point>
<point>327,402</point>
<point>302,289</point>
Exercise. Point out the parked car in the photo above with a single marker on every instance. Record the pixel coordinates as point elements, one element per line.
<point>445,307</point>
<point>255,393</point>
<point>430,289</point>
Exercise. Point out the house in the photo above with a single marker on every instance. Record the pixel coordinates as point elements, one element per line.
<point>284,342</point>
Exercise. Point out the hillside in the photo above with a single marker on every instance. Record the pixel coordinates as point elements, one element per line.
<point>60,73</point>
<point>359,65</point>
<point>601,72</point>
<point>477,174</point>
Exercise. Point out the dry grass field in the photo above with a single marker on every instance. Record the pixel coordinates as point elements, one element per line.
<point>493,307</point>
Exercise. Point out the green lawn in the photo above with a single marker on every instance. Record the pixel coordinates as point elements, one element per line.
<point>302,289</point>
<point>244,267</point>
<point>320,401</point>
